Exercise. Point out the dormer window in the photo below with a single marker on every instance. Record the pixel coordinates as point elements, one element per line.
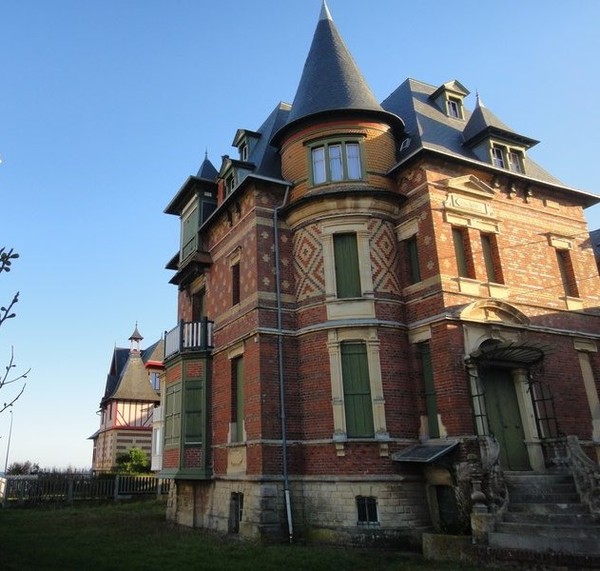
<point>244,152</point>
<point>336,161</point>
<point>454,106</point>
<point>508,158</point>
<point>449,99</point>
<point>229,183</point>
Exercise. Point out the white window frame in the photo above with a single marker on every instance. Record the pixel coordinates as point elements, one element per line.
<point>328,168</point>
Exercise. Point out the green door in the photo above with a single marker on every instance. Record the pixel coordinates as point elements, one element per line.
<point>504,418</point>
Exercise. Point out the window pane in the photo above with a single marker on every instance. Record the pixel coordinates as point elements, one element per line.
<point>357,390</point>
<point>453,109</point>
<point>347,272</point>
<point>235,284</point>
<point>335,162</point>
<point>498,157</point>
<point>353,161</point>
<point>318,165</point>
<point>514,161</point>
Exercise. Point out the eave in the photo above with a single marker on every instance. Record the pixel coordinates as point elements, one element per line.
<point>587,198</point>
<point>187,191</point>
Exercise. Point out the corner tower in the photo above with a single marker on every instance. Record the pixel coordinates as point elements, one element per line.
<point>336,133</point>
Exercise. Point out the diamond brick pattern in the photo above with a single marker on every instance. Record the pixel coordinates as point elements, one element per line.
<point>308,264</point>
<point>384,257</point>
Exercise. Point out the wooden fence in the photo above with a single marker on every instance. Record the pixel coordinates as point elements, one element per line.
<point>28,490</point>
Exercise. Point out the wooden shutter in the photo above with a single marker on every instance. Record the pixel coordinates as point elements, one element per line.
<point>430,398</point>
<point>237,398</point>
<point>189,233</point>
<point>347,271</point>
<point>193,412</point>
<point>357,390</point>
<point>413,260</point>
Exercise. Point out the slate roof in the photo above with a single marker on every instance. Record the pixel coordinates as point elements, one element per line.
<point>483,122</point>
<point>127,378</point>
<point>430,128</point>
<point>331,82</point>
<point>264,155</point>
<point>207,171</point>
<point>595,241</point>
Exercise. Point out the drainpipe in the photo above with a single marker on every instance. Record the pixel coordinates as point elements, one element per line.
<point>286,481</point>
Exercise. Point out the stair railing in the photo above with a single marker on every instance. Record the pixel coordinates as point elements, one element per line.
<point>586,474</point>
<point>494,484</point>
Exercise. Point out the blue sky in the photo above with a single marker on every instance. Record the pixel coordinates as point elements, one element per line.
<point>107,106</point>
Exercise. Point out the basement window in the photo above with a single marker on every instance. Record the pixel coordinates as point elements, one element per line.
<point>366,507</point>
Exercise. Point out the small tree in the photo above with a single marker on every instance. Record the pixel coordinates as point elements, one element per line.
<point>23,468</point>
<point>8,377</point>
<point>134,461</point>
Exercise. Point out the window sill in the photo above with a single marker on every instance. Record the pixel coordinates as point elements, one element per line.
<point>573,303</point>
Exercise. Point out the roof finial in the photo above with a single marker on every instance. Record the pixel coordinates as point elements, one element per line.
<point>325,13</point>
<point>479,103</point>
<point>206,153</point>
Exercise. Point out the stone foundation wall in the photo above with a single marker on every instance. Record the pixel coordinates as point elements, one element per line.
<point>322,511</point>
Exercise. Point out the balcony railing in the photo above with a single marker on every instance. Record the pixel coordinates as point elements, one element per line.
<point>189,336</point>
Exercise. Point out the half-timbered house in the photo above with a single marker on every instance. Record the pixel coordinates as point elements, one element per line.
<point>131,396</point>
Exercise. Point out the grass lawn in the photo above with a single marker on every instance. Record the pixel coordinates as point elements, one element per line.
<point>135,536</point>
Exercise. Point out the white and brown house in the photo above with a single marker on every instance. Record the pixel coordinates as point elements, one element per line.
<point>130,398</point>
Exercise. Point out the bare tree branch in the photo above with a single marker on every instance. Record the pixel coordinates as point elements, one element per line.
<point>6,258</point>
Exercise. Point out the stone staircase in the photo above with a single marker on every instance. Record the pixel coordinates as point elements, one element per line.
<point>545,515</point>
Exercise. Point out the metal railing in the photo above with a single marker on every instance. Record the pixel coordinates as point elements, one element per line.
<point>189,336</point>
<point>27,490</point>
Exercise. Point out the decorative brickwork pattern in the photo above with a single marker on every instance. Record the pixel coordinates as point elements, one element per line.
<point>308,264</point>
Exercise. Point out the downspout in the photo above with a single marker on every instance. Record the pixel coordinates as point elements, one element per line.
<point>286,481</point>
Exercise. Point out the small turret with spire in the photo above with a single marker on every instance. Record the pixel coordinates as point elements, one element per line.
<point>135,340</point>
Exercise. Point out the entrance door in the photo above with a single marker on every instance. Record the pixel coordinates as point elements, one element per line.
<point>504,418</point>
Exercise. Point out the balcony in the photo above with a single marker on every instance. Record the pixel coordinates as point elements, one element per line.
<point>189,336</point>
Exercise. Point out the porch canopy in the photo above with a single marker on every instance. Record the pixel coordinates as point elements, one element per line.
<point>509,353</point>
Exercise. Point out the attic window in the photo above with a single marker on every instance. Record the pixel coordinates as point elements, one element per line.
<point>508,158</point>
<point>244,152</point>
<point>229,184</point>
<point>454,107</point>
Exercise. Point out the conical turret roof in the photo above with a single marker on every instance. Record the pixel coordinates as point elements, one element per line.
<point>331,81</point>
<point>483,122</point>
<point>207,170</point>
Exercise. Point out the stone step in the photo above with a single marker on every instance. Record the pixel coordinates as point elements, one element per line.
<point>548,508</point>
<point>545,489</point>
<point>542,543</point>
<point>534,497</point>
<point>552,531</point>
<point>536,478</point>
<point>551,518</point>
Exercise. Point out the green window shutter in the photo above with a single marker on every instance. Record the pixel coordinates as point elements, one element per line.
<point>173,415</point>
<point>347,271</point>
<point>413,260</point>
<point>357,390</point>
<point>430,398</point>
<point>189,233</point>
<point>193,413</point>
<point>237,398</point>
<point>460,251</point>
<point>487,248</point>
